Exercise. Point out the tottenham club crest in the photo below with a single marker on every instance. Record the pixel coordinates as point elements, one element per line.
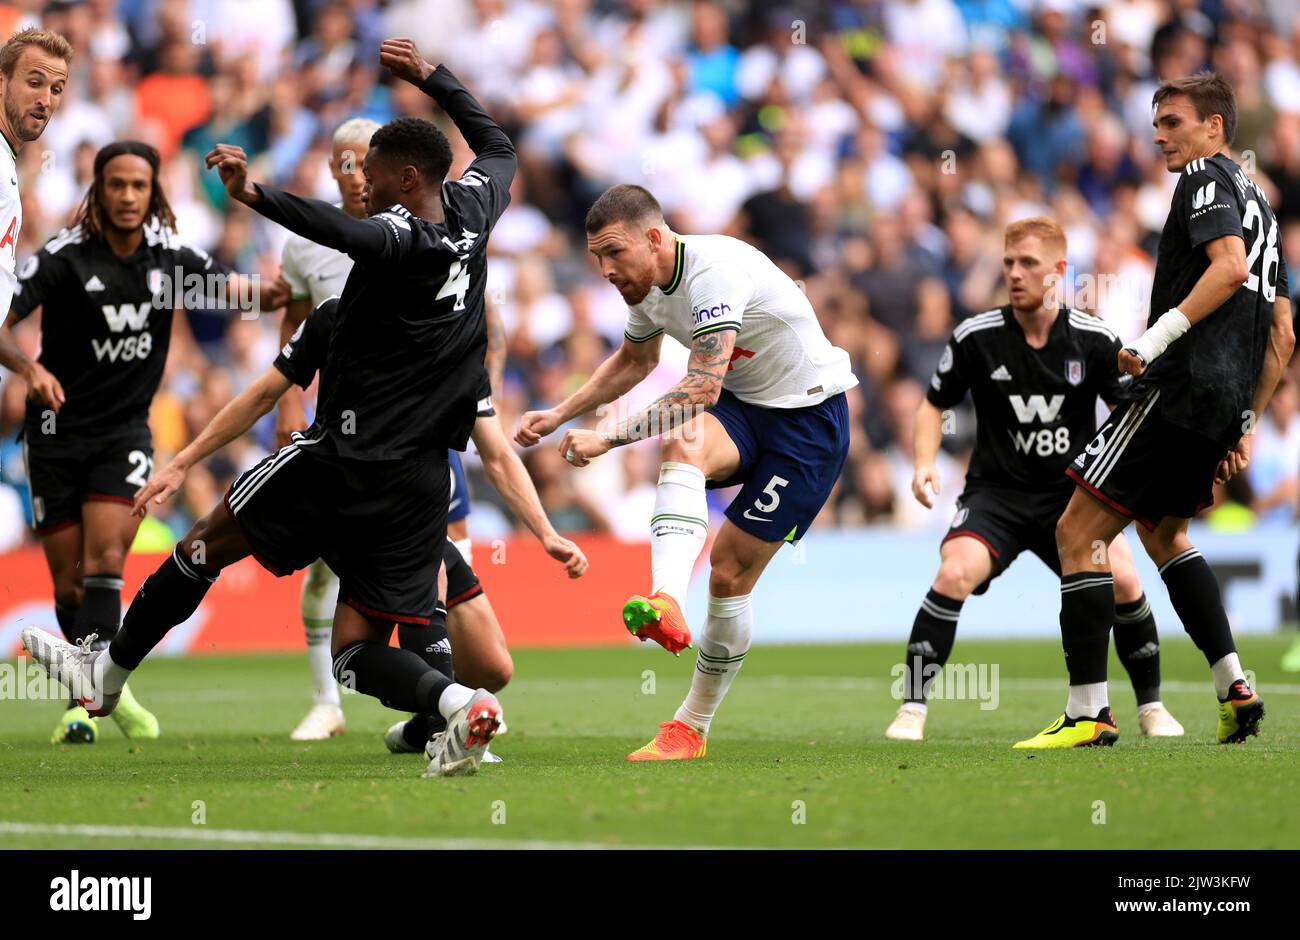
<point>1074,371</point>
<point>155,279</point>
<point>960,517</point>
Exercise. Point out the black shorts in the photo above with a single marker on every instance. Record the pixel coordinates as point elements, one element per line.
<point>1009,522</point>
<point>67,469</point>
<point>462,583</point>
<point>1145,468</point>
<point>379,524</point>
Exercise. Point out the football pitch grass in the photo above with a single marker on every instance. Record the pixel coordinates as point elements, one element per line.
<point>796,759</point>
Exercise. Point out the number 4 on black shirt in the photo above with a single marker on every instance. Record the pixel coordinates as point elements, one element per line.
<point>401,377</point>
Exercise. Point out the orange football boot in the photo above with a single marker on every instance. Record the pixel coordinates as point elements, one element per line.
<point>657,618</point>
<point>676,740</point>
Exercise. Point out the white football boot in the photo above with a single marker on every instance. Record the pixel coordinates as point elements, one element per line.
<point>74,666</point>
<point>908,725</point>
<point>319,724</point>
<point>1156,722</point>
<point>459,750</point>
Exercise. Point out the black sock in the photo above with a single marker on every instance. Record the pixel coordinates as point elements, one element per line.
<point>100,612</point>
<point>421,727</point>
<point>933,634</point>
<point>398,678</point>
<point>433,645</point>
<point>1194,592</point>
<point>1087,612</point>
<point>167,597</point>
<point>1138,646</point>
<point>67,618</point>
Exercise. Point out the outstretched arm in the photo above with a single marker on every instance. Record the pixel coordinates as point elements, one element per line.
<point>376,238</point>
<point>239,414</point>
<point>613,378</point>
<point>696,392</point>
<point>511,479</point>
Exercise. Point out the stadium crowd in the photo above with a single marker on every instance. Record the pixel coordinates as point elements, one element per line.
<point>875,149</point>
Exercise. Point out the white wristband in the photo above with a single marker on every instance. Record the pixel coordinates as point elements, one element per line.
<point>1151,344</point>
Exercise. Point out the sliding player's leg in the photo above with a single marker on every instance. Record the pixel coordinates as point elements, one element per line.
<point>464,641</point>
<point>110,529</point>
<point>320,592</point>
<point>1194,592</point>
<point>1138,643</point>
<point>168,597</point>
<point>387,543</point>
<point>707,448</point>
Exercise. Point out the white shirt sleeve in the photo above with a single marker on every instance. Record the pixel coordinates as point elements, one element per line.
<point>718,295</point>
<point>291,268</point>
<point>640,327</point>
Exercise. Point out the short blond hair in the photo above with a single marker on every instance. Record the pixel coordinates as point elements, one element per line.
<point>355,131</point>
<point>51,42</point>
<point>1048,231</point>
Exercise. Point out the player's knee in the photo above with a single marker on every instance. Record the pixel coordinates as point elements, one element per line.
<point>1127,586</point>
<point>108,558</point>
<point>497,673</point>
<point>729,578</point>
<point>673,448</point>
<point>955,579</point>
<point>1068,538</point>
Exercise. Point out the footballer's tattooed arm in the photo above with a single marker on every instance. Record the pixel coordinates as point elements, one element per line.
<point>696,392</point>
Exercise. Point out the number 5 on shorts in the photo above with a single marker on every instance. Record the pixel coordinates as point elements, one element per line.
<point>771,490</point>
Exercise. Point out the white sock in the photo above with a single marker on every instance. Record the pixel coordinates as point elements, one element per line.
<point>1086,700</point>
<point>1226,671</point>
<point>1143,709</point>
<point>466,548</point>
<point>721,653</point>
<point>320,592</point>
<point>678,529</point>
<point>453,699</point>
<point>919,707</point>
<point>111,676</point>
<point>325,690</point>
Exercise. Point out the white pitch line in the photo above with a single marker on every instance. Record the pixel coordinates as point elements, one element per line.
<point>313,840</point>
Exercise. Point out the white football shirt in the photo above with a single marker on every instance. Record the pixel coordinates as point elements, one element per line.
<point>313,270</point>
<point>782,359</point>
<point>11,223</point>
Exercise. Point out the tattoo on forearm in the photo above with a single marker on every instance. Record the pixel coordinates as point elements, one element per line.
<point>689,398</point>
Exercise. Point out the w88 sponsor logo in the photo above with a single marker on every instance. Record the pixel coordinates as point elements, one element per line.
<point>125,348</point>
<point>1044,442</point>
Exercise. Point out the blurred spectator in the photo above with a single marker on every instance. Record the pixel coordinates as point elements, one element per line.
<point>875,150</point>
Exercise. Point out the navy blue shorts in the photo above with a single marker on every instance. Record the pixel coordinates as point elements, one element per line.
<point>790,459</point>
<point>459,507</point>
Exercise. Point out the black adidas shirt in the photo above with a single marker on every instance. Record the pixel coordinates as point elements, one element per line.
<point>408,339</point>
<point>1207,377</point>
<point>106,321</point>
<point>307,352</point>
<point>1034,408</point>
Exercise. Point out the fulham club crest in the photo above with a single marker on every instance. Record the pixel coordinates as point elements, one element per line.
<point>1074,371</point>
